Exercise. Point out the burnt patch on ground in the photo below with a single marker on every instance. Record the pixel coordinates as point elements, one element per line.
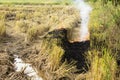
<point>75,51</point>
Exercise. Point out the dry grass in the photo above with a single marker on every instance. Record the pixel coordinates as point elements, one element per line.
<point>32,33</point>
<point>21,26</point>
<point>37,31</point>
<point>50,2</point>
<point>2,29</point>
<point>6,65</point>
<point>7,71</point>
<point>48,62</point>
<point>17,76</point>
<point>37,21</point>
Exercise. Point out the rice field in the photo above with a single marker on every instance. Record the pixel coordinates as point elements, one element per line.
<point>56,2</point>
<point>37,34</point>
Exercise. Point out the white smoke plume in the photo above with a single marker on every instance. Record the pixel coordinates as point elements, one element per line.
<point>28,70</point>
<point>85,9</point>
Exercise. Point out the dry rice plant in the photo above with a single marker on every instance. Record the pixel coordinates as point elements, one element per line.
<point>21,26</point>
<point>2,28</point>
<point>103,65</point>
<point>17,76</point>
<point>48,62</point>
<point>6,65</point>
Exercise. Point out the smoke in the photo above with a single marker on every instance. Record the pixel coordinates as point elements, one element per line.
<point>85,9</point>
<point>27,68</point>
